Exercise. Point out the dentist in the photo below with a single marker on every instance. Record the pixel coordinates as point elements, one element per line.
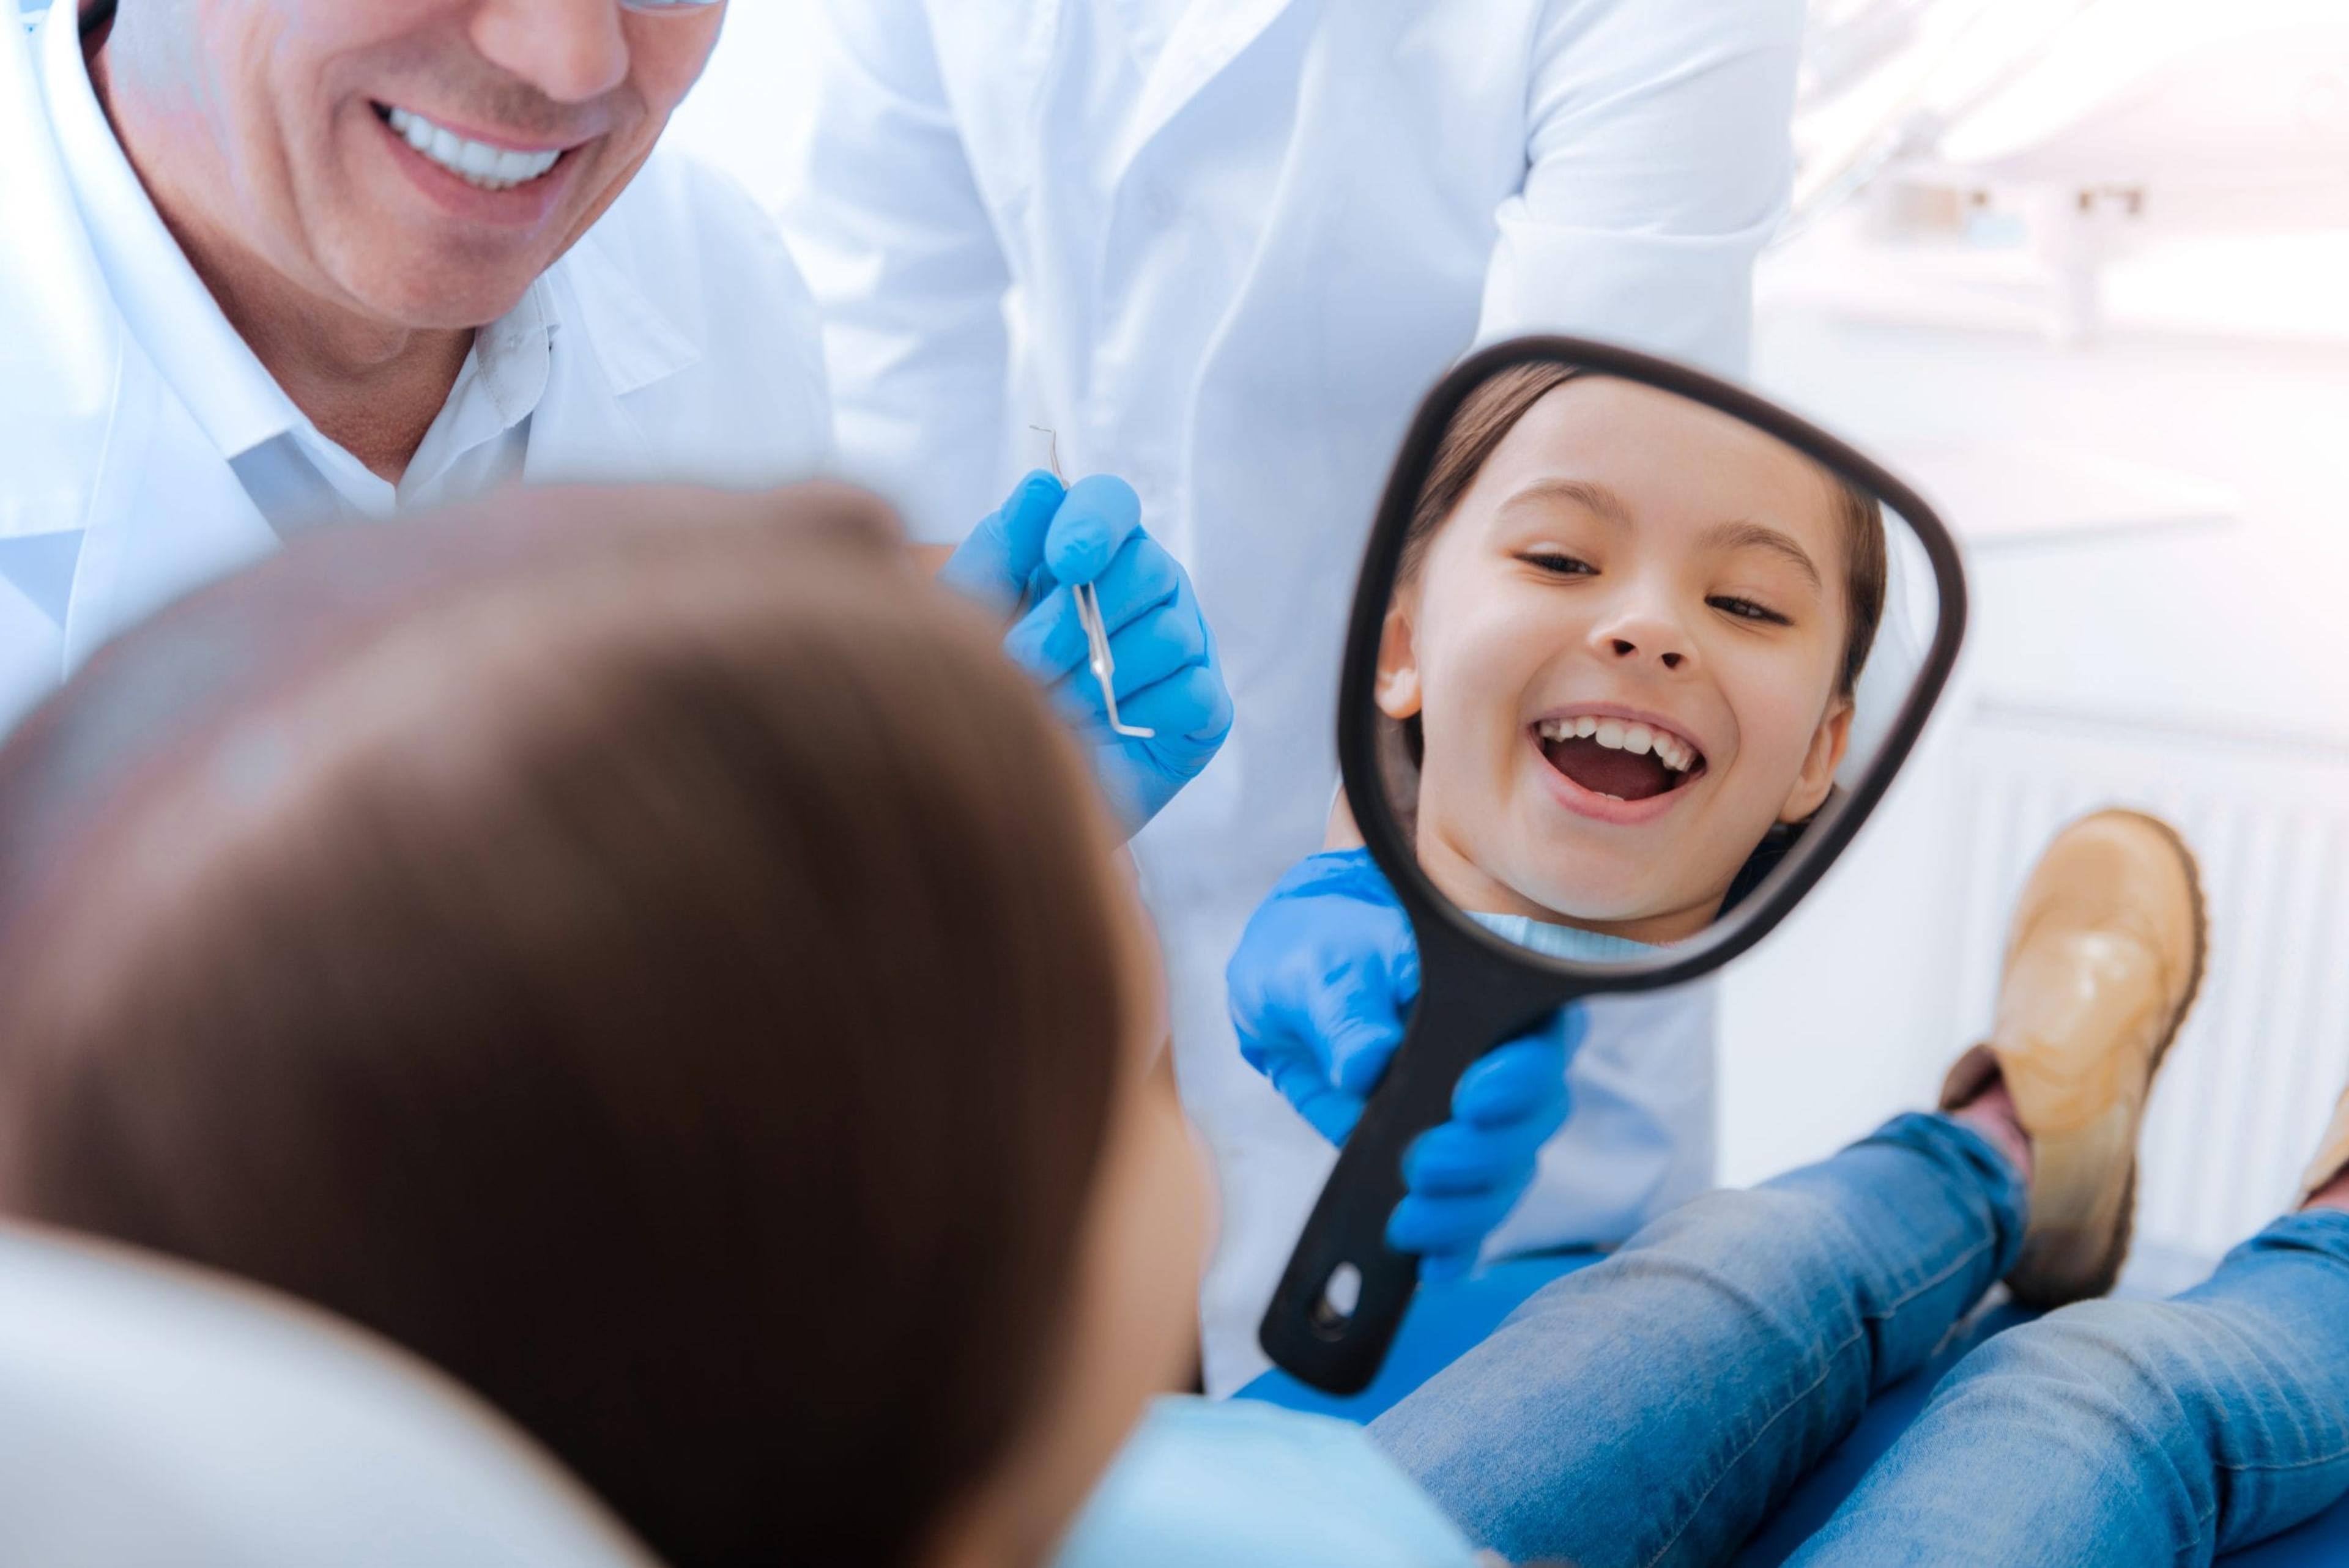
<point>278,262</point>
<point>275,265</point>
<point>1221,246</point>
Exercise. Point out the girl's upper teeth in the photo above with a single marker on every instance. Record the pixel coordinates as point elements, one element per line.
<point>476,162</point>
<point>1622,735</point>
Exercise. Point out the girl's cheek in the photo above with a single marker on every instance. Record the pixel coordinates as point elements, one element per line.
<point>1468,664</point>
<point>1768,716</point>
<point>1778,711</point>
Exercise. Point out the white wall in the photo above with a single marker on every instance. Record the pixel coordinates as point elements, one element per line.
<point>755,103</point>
<point>2238,627</point>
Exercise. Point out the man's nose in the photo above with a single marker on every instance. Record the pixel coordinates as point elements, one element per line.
<point>1643,633</point>
<point>571,50</point>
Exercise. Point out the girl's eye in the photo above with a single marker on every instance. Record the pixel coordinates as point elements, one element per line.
<point>1559,564</point>
<point>1747,609</point>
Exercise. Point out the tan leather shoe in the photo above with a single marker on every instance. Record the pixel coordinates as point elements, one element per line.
<point>2102,958</point>
<point>2332,1155</point>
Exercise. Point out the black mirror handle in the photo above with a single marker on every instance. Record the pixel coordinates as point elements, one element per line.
<point>1303,1331</point>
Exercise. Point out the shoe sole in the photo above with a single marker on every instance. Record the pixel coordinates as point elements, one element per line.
<point>2033,1283</point>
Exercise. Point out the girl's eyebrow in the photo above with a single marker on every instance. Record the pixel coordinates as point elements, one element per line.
<point>1595,498</point>
<point>1761,536</point>
<point>1607,505</point>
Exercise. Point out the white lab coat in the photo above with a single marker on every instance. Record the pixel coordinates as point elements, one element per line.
<point>687,350</point>
<point>1233,262</point>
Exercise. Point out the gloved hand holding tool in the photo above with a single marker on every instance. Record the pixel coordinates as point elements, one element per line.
<point>1321,986</point>
<point>1059,557</point>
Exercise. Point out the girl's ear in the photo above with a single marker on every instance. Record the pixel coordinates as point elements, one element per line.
<point>1397,692</point>
<point>1828,743</point>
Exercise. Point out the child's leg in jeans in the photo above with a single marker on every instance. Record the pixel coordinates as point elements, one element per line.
<point>1653,1408</point>
<point>2128,1433</point>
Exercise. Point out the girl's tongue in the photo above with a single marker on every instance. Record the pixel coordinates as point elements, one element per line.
<point>1605,771</point>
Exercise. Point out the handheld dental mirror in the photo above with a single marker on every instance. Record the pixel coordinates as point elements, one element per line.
<point>1633,654</point>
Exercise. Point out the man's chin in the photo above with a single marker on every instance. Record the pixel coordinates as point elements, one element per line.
<point>438,298</point>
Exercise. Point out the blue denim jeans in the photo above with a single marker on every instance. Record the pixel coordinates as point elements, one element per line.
<point>1655,1408</point>
<point>2129,1433</point>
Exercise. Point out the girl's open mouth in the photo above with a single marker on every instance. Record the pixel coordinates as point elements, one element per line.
<point>1616,758</point>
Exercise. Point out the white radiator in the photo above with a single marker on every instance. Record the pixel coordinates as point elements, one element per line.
<point>2254,1075</point>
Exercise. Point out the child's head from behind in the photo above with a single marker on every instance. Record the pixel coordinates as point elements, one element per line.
<point>1629,627</point>
<point>664,966</point>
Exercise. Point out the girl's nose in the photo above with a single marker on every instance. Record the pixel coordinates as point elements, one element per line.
<point>1642,634</point>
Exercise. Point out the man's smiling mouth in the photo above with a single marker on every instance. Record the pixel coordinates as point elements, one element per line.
<point>477,163</point>
<point>1617,758</point>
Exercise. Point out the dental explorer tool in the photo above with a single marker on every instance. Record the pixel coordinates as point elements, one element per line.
<point>1089,617</point>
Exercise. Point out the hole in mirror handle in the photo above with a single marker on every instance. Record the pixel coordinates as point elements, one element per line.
<point>1342,1297</point>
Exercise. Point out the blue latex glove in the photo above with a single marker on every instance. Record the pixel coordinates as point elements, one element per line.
<point>1463,1177</point>
<point>1023,558</point>
<point>1320,985</point>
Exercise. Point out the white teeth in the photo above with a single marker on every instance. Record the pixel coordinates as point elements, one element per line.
<point>1618,735</point>
<point>475,162</point>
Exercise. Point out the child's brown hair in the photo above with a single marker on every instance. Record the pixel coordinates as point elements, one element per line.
<point>643,952</point>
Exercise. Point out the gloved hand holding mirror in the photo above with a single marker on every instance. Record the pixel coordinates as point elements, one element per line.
<point>1632,654</point>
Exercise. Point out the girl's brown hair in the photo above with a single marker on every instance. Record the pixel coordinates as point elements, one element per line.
<point>1487,415</point>
<point>648,954</point>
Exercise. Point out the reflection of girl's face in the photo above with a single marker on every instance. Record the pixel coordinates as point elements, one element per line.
<point>1622,648</point>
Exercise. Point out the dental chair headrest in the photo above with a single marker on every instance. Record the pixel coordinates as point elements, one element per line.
<point>155,1414</point>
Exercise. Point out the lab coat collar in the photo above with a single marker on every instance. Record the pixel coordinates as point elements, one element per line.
<point>610,341</point>
<point>635,343</point>
<point>162,301</point>
<point>1208,37</point>
<point>58,331</point>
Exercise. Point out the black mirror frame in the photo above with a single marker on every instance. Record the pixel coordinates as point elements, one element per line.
<point>1478,989</point>
<point>1759,912</point>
